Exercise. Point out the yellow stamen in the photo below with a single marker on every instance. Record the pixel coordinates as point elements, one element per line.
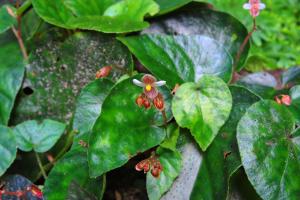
<point>148,87</point>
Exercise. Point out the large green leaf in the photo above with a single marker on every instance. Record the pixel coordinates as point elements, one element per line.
<point>6,20</point>
<point>202,107</point>
<point>291,76</point>
<point>122,130</point>
<point>217,168</point>
<point>58,71</point>
<point>270,150</point>
<point>262,83</point>
<point>171,163</point>
<point>295,106</point>
<point>8,148</point>
<point>110,16</point>
<point>166,6</point>
<point>197,19</point>
<point>41,137</point>
<point>179,59</point>
<point>69,172</point>
<point>11,77</point>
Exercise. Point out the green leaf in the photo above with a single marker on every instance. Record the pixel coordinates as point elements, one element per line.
<point>72,170</point>
<point>222,158</point>
<point>89,103</point>
<point>166,6</point>
<point>172,136</point>
<point>179,59</point>
<point>123,129</point>
<point>202,107</point>
<point>11,77</point>
<point>41,137</point>
<point>291,76</point>
<point>295,106</point>
<point>270,150</point>
<point>262,84</point>
<point>196,19</point>
<point>6,20</point>
<point>58,71</point>
<point>109,16</point>
<point>8,148</point>
<point>171,163</point>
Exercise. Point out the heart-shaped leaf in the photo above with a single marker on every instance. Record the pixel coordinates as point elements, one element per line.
<point>202,107</point>
<point>11,77</point>
<point>269,147</point>
<point>72,169</point>
<point>58,71</point>
<point>166,6</point>
<point>179,59</point>
<point>41,137</point>
<point>222,158</point>
<point>171,163</point>
<point>171,138</point>
<point>6,19</point>
<point>196,19</point>
<point>110,16</point>
<point>295,106</point>
<point>123,129</point>
<point>8,148</point>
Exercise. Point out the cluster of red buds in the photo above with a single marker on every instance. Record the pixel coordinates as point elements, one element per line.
<point>283,99</point>
<point>34,190</point>
<point>152,163</point>
<point>103,72</point>
<point>254,7</point>
<point>150,93</point>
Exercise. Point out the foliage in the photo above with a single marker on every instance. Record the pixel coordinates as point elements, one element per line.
<point>106,85</point>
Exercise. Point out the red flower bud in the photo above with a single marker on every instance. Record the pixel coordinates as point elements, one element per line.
<point>283,99</point>
<point>140,101</point>
<point>147,104</point>
<point>159,102</point>
<point>103,72</point>
<point>143,165</point>
<point>35,191</point>
<point>155,172</point>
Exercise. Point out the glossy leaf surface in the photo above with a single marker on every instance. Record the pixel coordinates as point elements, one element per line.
<point>203,108</point>
<point>6,20</point>
<point>269,147</point>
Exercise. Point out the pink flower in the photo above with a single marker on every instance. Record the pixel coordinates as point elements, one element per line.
<point>254,6</point>
<point>150,84</point>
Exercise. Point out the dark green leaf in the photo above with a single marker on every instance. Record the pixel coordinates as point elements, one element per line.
<point>291,76</point>
<point>270,150</point>
<point>6,20</point>
<point>31,135</point>
<point>166,6</point>
<point>72,169</point>
<point>89,103</point>
<point>109,16</point>
<point>222,158</point>
<point>262,84</point>
<point>202,107</point>
<point>171,163</point>
<point>122,130</point>
<point>295,106</point>
<point>196,19</point>
<point>58,72</point>
<point>8,148</point>
<point>179,59</point>
<point>11,76</point>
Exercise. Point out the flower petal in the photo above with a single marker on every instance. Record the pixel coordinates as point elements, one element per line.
<point>152,93</point>
<point>262,6</point>
<point>159,83</point>
<point>148,79</point>
<point>138,83</point>
<point>247,6</point>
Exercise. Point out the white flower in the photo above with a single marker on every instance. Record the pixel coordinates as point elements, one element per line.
<point>149,84</point>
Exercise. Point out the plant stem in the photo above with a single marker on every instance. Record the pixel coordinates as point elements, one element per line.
<point>163,112</point>
<point>24,7</point>
<point>245,42</point>
<point>40,165</point>
<point>21,43</point>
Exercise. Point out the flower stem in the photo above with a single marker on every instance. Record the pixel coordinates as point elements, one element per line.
<point>163,112</point>
<point>40,165</point>
<point>21,43</point>
<point>245,42</point>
